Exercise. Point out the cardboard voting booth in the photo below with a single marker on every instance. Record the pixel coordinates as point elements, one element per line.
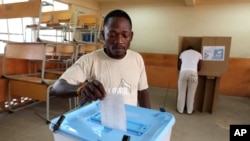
<point>143,124</point>
<point>215,52</point>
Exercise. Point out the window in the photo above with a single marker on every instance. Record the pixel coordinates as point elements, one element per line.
<point>15,29</point>
<point>10,26</point>
<point>53,35</point>
<point>60,6</point>
<point>2,46</point>
<point>4,27</point>
<point>15,25</point>
<point>57,6</point>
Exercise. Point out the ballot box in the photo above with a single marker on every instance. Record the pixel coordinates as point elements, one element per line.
<point>84,124</point>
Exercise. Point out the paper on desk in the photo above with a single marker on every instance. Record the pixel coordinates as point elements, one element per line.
<point>113,112</point>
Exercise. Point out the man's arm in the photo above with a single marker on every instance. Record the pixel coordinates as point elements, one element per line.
<point>179,64</point>
<point>143,99</point>
<point>63,89</point>
<point>88,90</point>
<point>199,66</point>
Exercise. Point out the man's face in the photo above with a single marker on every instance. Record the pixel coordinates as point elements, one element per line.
<point>117,36</point>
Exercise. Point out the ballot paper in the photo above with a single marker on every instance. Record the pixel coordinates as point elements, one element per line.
<point>113,112</point>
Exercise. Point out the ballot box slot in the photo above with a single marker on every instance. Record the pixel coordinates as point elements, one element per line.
<point>133,127</point>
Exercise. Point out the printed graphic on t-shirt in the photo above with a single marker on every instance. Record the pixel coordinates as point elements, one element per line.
<point>124,88</point>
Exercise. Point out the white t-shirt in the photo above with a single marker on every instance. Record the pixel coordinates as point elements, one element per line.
<point>190,59</point>
<point>127,73</point>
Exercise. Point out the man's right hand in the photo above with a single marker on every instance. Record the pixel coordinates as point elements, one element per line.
<point>92,91</point>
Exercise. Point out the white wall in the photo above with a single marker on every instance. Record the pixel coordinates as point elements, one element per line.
<point>157,25</point>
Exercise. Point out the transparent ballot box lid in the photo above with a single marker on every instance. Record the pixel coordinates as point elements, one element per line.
<point>84,124</point>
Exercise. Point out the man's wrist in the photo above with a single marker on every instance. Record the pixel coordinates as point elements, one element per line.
<point>80,88</point>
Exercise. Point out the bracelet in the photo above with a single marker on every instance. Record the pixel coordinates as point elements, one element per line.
<point>79,89</point>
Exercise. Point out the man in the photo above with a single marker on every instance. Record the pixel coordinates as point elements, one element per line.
<point>189,63</point>
<point>112,67</point>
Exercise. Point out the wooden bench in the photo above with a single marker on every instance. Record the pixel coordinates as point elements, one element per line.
<point>84,48</point>
<point>59,56</point>
<point>29,83</point>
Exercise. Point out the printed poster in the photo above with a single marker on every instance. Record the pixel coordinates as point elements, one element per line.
<point>213,53</point>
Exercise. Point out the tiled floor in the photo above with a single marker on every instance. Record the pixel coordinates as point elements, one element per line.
<point>24,125</point>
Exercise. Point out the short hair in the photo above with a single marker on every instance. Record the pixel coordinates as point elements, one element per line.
<point>117,13</point>
<point>190,47</point>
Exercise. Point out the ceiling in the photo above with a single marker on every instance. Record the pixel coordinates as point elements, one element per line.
<point>196,2</point>
<point>200,2</point>
<point>188,2</point>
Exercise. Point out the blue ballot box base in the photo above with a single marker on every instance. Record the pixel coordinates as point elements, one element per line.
<point>84,124</point>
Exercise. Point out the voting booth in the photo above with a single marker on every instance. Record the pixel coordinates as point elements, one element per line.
<point>215,52</point>
<point>84,124</point>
